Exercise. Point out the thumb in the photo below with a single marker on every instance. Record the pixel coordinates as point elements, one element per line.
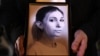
<point>77,41</point>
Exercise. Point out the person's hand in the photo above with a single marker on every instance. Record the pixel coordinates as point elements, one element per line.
<point>19,45</point>
<point>79,44</point>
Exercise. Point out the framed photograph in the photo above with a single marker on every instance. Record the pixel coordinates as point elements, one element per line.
<point>47,29</point>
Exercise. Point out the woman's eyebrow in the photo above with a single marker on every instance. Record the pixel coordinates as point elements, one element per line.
<point>54,18</point>
<point>62,17</point>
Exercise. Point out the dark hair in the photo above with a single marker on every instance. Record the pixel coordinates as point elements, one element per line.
<point>44,10</point>
<point>36,32</point>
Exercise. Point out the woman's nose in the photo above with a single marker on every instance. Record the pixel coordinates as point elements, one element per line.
<point>58,25</point>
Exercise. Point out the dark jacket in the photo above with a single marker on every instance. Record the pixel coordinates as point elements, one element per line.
<point>85,15</point>
<point>12,17</point>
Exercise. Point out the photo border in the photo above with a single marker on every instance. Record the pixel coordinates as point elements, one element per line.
<point>49,3</point>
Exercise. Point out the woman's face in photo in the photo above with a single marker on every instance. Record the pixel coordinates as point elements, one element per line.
<point>53,23</point>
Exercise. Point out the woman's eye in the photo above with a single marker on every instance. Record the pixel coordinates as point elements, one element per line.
<point>61,20</point>
<point>51,20</point>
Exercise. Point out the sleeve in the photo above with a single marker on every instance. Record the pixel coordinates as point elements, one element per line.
<point>92,28</point>
<point>13,18</point>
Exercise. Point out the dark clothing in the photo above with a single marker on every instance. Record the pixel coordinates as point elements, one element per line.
<point>12,16</point>
<point>85,16</point>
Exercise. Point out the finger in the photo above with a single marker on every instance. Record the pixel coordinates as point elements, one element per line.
<point>82,48</point>
<point>76,43</point>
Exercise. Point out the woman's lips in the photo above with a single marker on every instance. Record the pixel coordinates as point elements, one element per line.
<point>58,31</point>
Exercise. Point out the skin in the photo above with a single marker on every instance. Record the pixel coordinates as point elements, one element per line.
<point>79,44</point>
<point>53,25</point>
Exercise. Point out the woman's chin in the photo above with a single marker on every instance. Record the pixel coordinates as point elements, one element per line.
<point>58,35</point>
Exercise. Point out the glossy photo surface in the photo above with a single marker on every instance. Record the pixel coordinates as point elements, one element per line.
<point>47,30</point>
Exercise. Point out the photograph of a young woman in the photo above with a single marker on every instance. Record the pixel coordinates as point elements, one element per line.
<point>49,25</point>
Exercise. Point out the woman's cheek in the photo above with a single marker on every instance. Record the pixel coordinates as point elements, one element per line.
<point>52,24</point>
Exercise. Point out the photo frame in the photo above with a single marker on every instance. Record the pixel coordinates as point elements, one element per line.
<point>30,38</point>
